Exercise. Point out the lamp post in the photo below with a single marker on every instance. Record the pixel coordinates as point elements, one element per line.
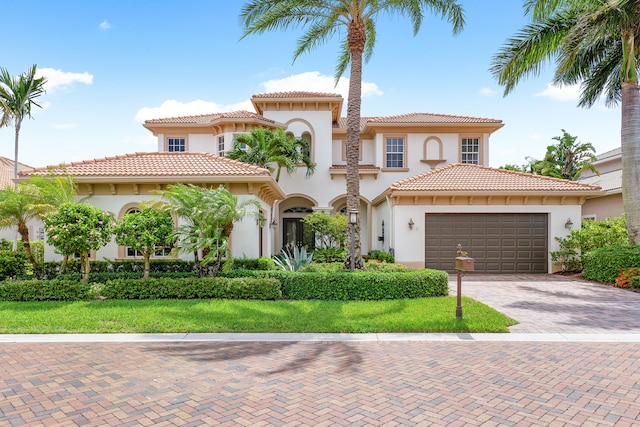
<point>353,219</point>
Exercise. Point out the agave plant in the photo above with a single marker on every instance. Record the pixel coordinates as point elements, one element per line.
<point>292,258</point>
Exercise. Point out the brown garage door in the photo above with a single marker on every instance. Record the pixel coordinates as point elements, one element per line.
<point>499,243</point>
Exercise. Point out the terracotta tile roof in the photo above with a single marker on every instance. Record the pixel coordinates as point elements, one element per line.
<point>419,118</point>
<point>297,94</point>
<point>205,119</point>
<point>154,164</point>
<point>430,118</point>
<point>6,171</point>
<point>360,167</point>
<point>469,178</point>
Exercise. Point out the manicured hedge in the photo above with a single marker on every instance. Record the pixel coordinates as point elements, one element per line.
<point>345,286</point>
<point>102,277</point>
<point>604,264</point>
<point>193,288</point>
<point>44,290</point>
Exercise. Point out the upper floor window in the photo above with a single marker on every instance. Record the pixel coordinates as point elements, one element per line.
<point>176,144</point>
<point>394,152</point>
<point>221,146</point>
<point>470,151</point>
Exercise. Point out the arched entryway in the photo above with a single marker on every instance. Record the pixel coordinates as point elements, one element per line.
<point>292,230</point>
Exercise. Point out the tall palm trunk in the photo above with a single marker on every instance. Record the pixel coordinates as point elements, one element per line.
<point>630,135</point>
<point>15,154</point>
<point>356,39</point>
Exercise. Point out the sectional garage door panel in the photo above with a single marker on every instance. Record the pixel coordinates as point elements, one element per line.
<point>499,243</point>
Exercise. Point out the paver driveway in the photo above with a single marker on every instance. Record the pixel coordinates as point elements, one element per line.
<point>455,382</point>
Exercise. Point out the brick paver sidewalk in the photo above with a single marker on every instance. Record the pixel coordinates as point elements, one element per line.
<point>320,384</point>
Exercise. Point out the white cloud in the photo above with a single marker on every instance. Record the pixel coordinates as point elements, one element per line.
<point>57,79</point>
<point>311,81</point>
<point>174,108</point>
<point>62,126</point>
<point>104,25</point>
<point>561,92</point>
<point>485,91</point>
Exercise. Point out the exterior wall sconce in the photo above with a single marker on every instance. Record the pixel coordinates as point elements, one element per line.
<point>568,224</point>
<point>273,224</point>
<point>411,223</point>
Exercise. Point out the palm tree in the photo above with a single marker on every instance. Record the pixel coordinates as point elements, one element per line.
<point>597,44</point>
<point>209,215</point>
<point>17,96</point>
<point>358,18</point>
<point>31,200</point>
<point>263,147</point>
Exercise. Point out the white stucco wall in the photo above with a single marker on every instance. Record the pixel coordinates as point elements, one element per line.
<point>245,234</point>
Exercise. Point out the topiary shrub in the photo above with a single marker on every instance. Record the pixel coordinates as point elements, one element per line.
<point>604,264</point>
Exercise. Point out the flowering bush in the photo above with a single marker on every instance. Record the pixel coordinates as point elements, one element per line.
<point>628,278</point>
<point>79,228</point>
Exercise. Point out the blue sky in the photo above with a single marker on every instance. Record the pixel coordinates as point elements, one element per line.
<point>112,64</point>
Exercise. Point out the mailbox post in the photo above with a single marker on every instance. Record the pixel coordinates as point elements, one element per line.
<point>463,264</point>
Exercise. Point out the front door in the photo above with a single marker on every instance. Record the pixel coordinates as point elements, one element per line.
<point>293,233</point>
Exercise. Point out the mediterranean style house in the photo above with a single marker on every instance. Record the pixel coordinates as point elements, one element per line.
<point>424,182</point>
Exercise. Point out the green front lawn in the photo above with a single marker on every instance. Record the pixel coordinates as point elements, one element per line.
<point>157,316</point>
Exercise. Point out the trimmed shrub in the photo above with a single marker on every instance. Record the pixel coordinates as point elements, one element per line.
<point>604,264</point>
<point>12,264</point>
<point>45,290</point>
<point>250,264</point>
<point>106,276</point>
<point>365,285</point>
<point>193,288</point>
<point>54,269</point>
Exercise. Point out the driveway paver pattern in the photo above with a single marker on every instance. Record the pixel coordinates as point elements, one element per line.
<point>449,382</point>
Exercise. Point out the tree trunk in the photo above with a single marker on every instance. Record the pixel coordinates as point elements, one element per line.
<point>630,144</point>
<point>147,264</point>
<point>356,39</point>
<point>84,266</point>
<point>23,230</point>
<point>15,154</point>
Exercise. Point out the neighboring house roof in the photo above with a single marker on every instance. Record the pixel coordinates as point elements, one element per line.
<point>466,178</point>
<point>155,165</point>
<point>616,152</point>
<point>611,182</point>
<point>7,169</point>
